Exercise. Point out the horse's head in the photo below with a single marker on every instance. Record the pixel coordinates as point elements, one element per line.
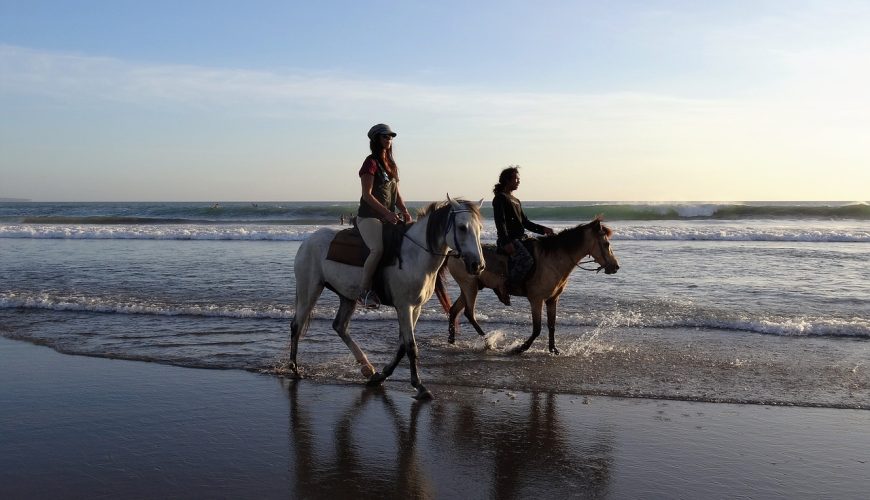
<point>462,234</point>
<point>600,249</point>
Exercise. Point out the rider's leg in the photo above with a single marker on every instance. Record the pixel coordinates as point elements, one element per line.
<point>521,263</point>
<point>371,230</point>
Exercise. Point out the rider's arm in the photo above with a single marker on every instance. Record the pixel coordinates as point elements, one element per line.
<point>533,227</point>
<point>400,203</point>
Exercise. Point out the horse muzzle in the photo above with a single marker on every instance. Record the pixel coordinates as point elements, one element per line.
<point>611,269</point>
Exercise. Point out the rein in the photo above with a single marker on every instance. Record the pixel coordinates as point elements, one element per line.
<point>592,261</point>
<point>457,252</point>
<point>579,265</point>
<point>448,254</point>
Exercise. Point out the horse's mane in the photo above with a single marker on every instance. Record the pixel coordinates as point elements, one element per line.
<point>569,238</point>
<point>439,213</point>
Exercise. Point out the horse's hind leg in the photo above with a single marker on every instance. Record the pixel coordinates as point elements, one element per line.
<point>306,297</point>
<point>298,326</point>
<point>340,325</point>
<point>455,309</point>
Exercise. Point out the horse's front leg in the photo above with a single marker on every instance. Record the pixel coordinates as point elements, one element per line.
<point>407,319</point>
<point>379,377</point>
<point>453,322</point>
<point>537,305</point>
<point>551,322</point>
<point>407,345</point>
<point>470,304</point>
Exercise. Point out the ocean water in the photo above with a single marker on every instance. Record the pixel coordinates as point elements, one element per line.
<point>750,302</point>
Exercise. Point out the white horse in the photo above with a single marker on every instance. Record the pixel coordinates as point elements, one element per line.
<point>447,226</point>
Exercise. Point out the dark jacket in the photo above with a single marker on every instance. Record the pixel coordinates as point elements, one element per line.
<point>510,221</point>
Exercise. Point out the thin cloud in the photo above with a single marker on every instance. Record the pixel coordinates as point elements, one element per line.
<point>72,77</point>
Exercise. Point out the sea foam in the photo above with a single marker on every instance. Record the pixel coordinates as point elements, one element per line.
<point>622,231</point>
<point>855,327</point>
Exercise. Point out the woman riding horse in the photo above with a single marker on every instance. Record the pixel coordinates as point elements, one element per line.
<point>379,177</point>
<point>510,223</point>
<point>408,283</point>
<point>558,255</point>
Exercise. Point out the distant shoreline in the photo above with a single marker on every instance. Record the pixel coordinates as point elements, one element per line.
<point>13,200</point>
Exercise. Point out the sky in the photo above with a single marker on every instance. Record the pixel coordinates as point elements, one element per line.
<point>213,100</point>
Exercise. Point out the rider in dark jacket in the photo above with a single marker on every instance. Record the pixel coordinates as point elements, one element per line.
<point>510,224</point>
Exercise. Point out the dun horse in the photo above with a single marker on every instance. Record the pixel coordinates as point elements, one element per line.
<point>409,283</point>
<point>555,256</point>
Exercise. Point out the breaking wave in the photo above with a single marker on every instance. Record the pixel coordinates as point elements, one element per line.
<point>623,231</point>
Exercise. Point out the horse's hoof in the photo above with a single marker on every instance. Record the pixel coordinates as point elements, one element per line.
<point>517,350</point>
<point>293,371</point>
<point>451,339</point>
<point>376,380</point>
<point>555,351</point>
<point>424,394</point>
<point>367,370</point>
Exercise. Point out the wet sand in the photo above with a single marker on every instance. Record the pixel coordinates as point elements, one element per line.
<point>78,427</point>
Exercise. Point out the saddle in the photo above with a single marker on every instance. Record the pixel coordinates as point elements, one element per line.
<point>348,247</point>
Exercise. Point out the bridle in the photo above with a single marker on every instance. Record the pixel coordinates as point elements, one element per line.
<point>451,221</point>
<point>598,241</point>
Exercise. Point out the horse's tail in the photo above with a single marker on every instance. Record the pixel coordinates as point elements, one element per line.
<point>441,287</point>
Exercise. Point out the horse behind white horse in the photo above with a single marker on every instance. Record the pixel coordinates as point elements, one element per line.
<point>447,226</point>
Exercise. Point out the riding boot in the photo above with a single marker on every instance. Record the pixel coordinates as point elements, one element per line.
<point>501,291</point>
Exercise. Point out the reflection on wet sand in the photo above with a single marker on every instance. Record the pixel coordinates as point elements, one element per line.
<point>471,446</point>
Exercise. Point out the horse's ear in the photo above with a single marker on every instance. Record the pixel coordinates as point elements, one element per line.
<point>480,203</point>
<point>453,202</point>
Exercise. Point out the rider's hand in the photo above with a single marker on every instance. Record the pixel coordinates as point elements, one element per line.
<point>392,218</point>
<point>406,215</point>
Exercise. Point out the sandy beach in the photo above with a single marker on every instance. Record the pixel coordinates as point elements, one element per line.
<point>76,427</point>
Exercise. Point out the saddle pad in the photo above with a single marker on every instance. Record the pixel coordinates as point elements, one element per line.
<point>348,248</point>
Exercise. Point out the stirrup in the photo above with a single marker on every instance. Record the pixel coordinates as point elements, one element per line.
<point>368,299</point>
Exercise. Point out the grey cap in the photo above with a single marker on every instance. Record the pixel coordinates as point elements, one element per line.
<point>381,129</point>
